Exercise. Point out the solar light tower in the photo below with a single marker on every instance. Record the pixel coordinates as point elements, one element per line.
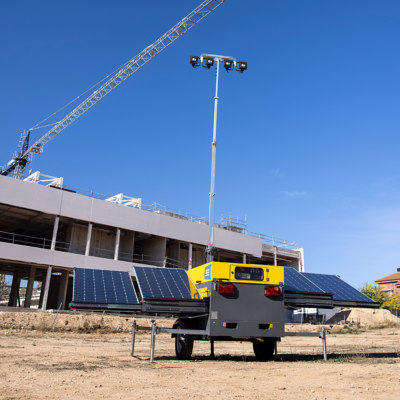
<point>229,63</point>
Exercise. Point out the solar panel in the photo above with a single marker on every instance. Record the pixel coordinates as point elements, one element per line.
<point>101,286</point>
<point>164,283</point>
<point>297,282</point>
<point>341,290</point>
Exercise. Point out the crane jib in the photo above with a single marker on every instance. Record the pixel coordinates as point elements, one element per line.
<point>130,68</point>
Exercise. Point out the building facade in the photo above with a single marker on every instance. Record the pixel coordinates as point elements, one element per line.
<point>390,284</point>
<point>46,231</point>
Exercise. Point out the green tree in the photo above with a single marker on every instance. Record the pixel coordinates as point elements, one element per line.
<point>393,303</point>
<point>4,289</point>
<point>375,293</point>
<point>386,301</point>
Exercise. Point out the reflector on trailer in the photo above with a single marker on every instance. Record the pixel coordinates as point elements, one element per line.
<point>272,290</point>
<point>226,288</point>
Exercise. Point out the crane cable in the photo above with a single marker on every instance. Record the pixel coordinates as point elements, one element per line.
<point>98,83</point>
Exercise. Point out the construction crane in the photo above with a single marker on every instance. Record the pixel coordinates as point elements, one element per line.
<point>18,163</point>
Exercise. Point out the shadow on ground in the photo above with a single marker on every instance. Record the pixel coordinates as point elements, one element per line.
<point>333,357</point>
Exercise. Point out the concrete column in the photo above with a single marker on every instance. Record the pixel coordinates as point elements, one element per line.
<point>173,252</point>
<point>14,293</point>
<point>89,237</point>
<point>41,295</point>
<point>46,288</point>
<point>244,259</point>
<point>190,255</point>
<point>62,294</point>
<point>55,229</point>
<point>154,250</point>
<point>117,239</point>
<point>29,288</point>
<point>275,259</point>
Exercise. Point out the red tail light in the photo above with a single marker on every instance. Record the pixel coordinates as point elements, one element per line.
<point>271,290</point>
<point>226,288</point>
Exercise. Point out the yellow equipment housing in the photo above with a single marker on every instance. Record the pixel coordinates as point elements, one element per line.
<point>223,271</point>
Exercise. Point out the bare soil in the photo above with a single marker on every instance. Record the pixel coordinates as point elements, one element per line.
<point>41,364</point>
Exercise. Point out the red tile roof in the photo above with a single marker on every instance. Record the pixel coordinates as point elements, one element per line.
<point>390,278</point>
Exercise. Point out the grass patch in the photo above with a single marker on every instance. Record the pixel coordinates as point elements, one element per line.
<point>384,325</point>
<point>347,330</point>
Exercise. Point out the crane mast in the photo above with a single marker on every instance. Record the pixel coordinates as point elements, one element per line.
<point>18,163</point>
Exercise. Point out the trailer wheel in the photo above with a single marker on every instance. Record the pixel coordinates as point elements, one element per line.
<point>263,350</point>
<point>183,348</point>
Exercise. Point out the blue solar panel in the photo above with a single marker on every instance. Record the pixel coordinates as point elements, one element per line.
<point>100,286</point>
<point>100,295</point>
<point>341,290</point>
<point>297,282</point>
<point>79,288</point>
<point>165,283</point>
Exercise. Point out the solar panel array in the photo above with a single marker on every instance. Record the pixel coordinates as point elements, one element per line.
<point>322,283</point>
<point>297,282</point>
<point>101,286</point>
<point>340,289</point>
<point>164,283</point>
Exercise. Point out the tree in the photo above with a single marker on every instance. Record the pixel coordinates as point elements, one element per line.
<point>386,301</point>
<point>4,289</point>
<point>393,303</point>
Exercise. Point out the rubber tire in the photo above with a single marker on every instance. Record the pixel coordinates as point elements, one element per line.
<point>183,348</point>
<point>263,351</point>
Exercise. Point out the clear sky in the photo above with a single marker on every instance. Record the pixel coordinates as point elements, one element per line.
<point>308,137</point>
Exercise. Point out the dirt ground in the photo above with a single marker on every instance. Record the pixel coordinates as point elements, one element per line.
<point>365,317</point>
<point>38,364</point>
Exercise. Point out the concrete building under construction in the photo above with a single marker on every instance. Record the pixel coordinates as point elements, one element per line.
<point>47,229</point>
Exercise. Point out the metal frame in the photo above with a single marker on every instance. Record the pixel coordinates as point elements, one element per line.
<point>322,300</point>
<point>106,306</point>
<point>321,334</point>
<point>125,200</point>
<point>156,330</point>
<point>53,181</point>
<point>175,307</point>
<point>205,333</point>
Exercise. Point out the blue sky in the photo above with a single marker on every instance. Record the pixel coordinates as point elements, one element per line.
<point>307,137</point>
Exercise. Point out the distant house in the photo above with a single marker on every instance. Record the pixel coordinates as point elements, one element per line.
<point>390,284</point>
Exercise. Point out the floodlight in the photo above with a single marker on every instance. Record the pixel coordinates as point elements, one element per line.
<point>242,66</point>
<point>209,62</point>
<point>228,65</point>
<point>194,60</point>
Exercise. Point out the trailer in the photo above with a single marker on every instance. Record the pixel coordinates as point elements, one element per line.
<point>216,301</point>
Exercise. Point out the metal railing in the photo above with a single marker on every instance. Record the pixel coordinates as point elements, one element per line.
<point>9,237</point>
<point>45,243</point>
<point>273,241</point>
<point>137,258</point>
